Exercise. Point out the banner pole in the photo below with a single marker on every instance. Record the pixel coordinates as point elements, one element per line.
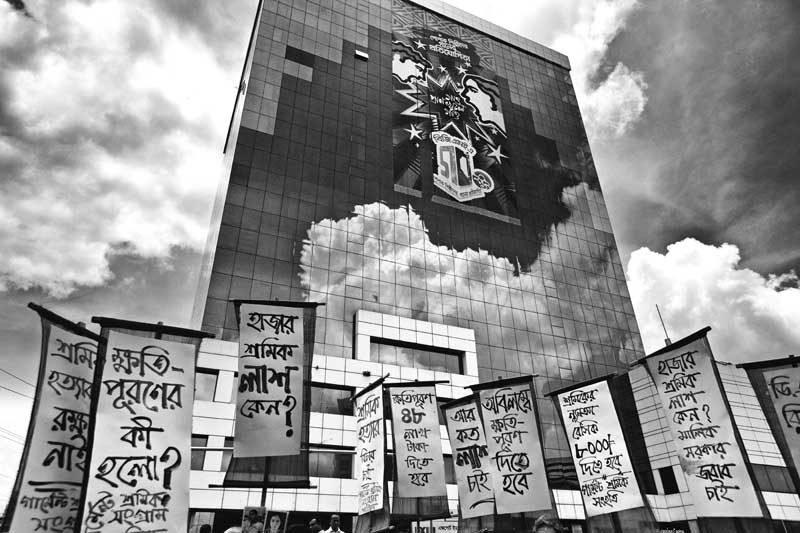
<point>99,367</point>
<point>264,482</point>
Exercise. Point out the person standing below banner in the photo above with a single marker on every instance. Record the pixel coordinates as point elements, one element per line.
<point>334,525</point>
<point>314,526</point>
<point>547,524</point>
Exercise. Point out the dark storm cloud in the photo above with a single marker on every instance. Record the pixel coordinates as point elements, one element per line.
<point>20,6</point>
<point>715,154</point>
<point>9,122</point>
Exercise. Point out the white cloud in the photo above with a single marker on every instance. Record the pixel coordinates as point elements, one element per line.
<point>112,141</point>
<point>389,259</point>
<point>697,285</point>
<point>582,29</point>
<point>113,117</point>
<point>615,105</point>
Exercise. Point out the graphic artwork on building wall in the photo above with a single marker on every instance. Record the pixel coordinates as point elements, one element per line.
<point>447,102</point>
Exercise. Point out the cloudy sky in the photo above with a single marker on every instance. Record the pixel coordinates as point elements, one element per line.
<point>112,117</point>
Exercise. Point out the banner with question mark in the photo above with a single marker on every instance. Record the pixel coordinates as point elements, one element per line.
<point>269,401</point>
<point>47,493</point>
<point>139,471</point>
<point>697,414</point>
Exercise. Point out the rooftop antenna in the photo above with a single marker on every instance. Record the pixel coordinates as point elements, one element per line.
<point>666,335</point>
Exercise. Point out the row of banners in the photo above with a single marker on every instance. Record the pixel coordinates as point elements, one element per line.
<point>110,439</point>
<point>497,450</point>
<point>109,444</point>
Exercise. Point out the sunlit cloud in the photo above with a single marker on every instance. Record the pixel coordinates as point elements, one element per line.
<point>112,131</point>
<point>385,257</point>
<point>697,285</point>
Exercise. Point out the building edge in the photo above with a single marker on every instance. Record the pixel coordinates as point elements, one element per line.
<point>201,294</point>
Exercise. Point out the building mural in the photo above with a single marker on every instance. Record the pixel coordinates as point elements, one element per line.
<point>447,104</point>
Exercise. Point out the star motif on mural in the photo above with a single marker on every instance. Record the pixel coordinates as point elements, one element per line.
<point>462,70</point>
<point>415,133</point>
<point>496,154</point>
<point>442,68</point>
<point>419,44</point>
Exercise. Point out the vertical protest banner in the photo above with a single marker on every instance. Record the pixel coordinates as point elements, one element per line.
<point>417,440</point>
<point>273,394</point>
<point>370,448</point>
<point>705,435</point>
<point>471,463</point>
<point>776,383</point>
<point>47,492</point>
<point>607,480</point>
<point>270,397</point>
<point>508,410</point>
<point>138,477</point>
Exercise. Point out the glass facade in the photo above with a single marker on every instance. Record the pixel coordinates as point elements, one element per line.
<point>331,399</point>
<point>205,384</point>
<point>330,464</point>
<point>387,158</point>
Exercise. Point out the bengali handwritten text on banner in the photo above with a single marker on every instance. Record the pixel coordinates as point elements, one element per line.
<point>417,441</point>
<point>783,388</point>
<point>703,431</point>
<point>608,483</point>
<point>370,450</point>
<point>471,462</point>
<point>139,476</point>
<point>269,398</point>
<point>50,486</point>
<point>512,436</point>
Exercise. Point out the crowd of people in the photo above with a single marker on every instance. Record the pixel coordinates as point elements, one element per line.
<point>253,522</point>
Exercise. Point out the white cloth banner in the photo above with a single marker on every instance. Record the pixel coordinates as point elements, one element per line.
<point>783,389</point>
<point>605,473</point>
<point>370,450</point>
<point>417,441</point>
<point>139,476</point>
<point>703,431</point>
<point>50,487</point>
<point>269,402</point>
<point>471,462</point>
<point>512,436</point>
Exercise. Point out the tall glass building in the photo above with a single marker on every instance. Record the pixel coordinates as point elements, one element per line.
<point>408,159</point>
<point>427,176</point>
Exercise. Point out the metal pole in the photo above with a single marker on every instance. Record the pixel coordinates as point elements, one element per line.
<point>264,483</point>
<point>666,335</point>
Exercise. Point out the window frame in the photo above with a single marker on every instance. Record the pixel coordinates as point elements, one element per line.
<point>206,371</point>
<point>460,355</point>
